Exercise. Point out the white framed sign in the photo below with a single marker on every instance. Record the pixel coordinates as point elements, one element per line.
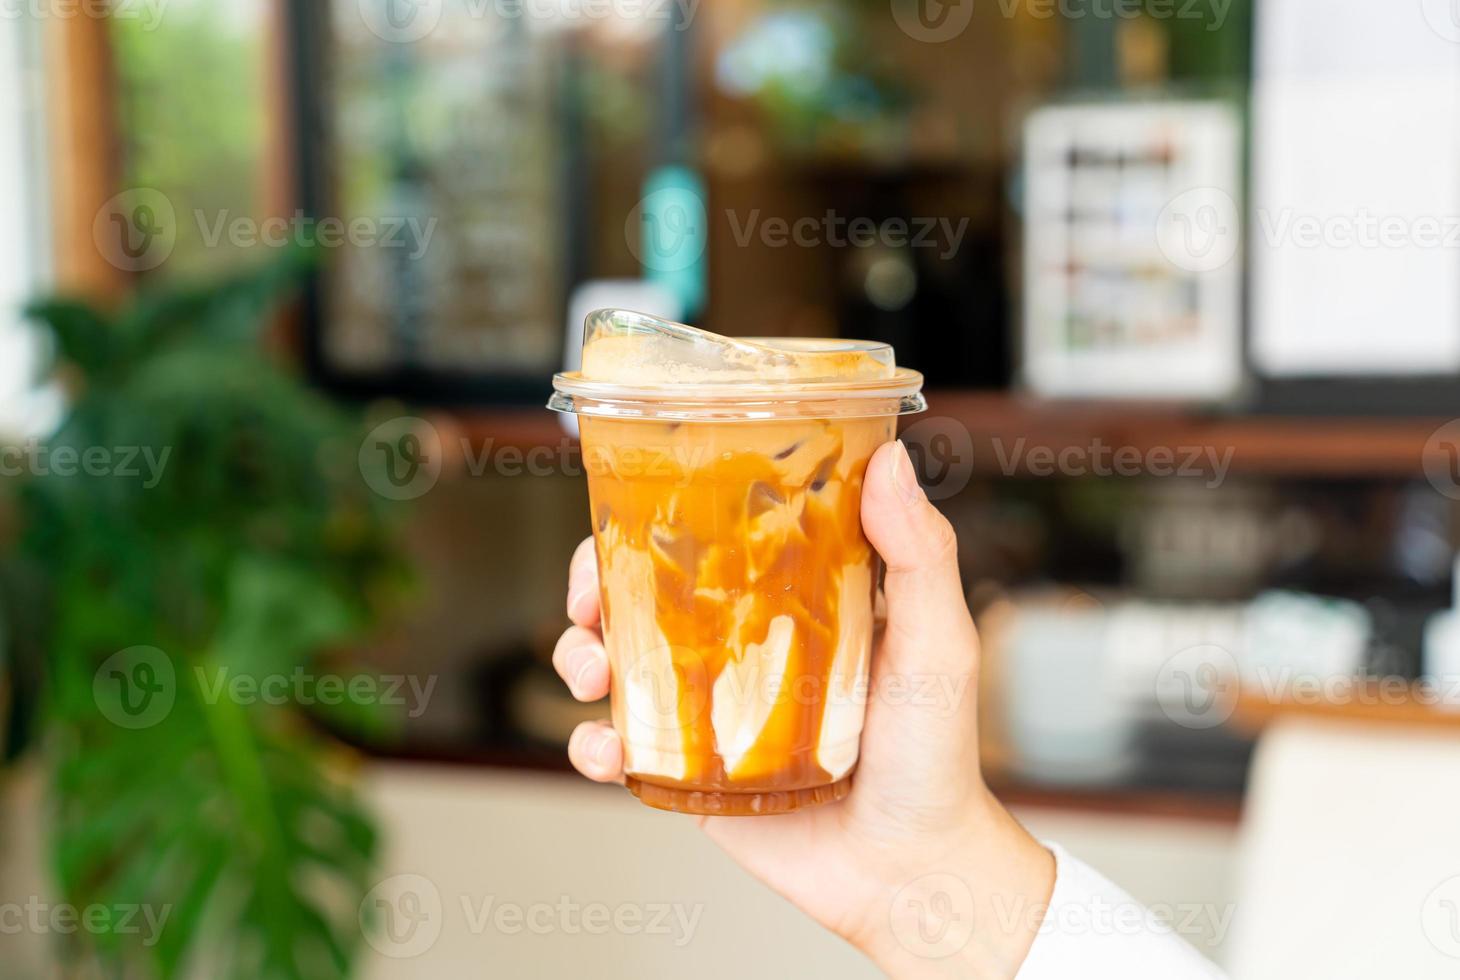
<point>1132,242</point>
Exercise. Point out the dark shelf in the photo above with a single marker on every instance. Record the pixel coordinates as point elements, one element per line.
<point>1272,445</point>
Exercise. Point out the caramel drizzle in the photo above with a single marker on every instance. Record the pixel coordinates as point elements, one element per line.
<point>726,536</point>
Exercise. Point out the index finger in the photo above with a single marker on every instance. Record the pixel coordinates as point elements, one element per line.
<point>583,606</point>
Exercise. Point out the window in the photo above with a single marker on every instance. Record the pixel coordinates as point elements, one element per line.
<point>24,244</point>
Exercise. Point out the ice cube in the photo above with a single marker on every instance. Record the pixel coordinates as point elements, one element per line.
<point>624,347</point>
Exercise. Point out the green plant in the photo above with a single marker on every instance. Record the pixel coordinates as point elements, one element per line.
<point>252,551</point>
<point>821,81</point>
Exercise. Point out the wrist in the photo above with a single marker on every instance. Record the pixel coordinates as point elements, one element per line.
<point>968,906</point>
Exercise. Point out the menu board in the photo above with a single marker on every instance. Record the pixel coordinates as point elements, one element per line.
<point>441,150</point>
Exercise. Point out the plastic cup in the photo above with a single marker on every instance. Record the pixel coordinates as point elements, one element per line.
<point>736,583</point>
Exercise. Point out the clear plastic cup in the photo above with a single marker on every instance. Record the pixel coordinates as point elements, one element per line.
<point>725,481</point>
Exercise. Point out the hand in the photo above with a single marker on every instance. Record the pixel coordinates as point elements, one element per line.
<point>919,830</point>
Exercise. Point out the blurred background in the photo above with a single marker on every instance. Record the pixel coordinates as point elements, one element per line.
<point>284,528</point>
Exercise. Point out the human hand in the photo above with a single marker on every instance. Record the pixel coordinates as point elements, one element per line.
<point>919,829</point>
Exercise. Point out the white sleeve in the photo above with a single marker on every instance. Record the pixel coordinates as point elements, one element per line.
<point>1093,930</point>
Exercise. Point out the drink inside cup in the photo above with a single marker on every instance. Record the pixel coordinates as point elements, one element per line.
<point>725,481</point>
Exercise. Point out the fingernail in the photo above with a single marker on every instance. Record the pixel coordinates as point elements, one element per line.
<point>597,747</point>
<point>580,662</point>
<point>904,480</point>
<point>575,599</point>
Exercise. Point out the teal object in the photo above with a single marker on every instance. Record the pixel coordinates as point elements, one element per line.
<point>673,235</point>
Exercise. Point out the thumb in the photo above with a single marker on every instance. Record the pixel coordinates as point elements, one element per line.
<point>928,624</point>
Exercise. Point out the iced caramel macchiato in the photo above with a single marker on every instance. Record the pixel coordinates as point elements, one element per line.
<point>725,480</point>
